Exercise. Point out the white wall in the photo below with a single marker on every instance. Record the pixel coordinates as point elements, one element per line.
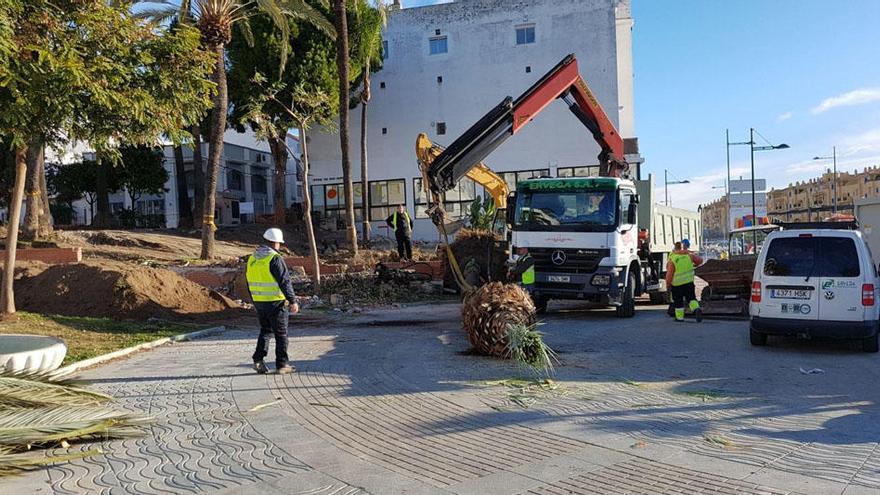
<point>483,65</point>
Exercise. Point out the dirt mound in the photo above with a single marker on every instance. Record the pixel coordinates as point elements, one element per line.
<point>109,239</point>
<point>116,290</point>
<point>477,251</point>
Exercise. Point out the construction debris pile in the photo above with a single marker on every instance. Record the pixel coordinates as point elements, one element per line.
<point>481,256</point>
<point>117,290</point>
<point>378,288</point>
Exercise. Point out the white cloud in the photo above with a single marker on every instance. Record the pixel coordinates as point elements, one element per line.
<point>785,116</point>
<point>855,97</point>
<point>866,142</point>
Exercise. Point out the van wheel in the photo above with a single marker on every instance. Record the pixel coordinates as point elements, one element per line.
<point>757,338</point>
<point>871,344</point>
<point>627,308</point>
<point>541,305</point>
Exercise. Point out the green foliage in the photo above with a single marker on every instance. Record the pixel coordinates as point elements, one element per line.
<point>481,213</point>
<point>528,349</point>
<point>68,183</point>
<point>140,171</point>
<point>311,67</point>
<point>92,71</point>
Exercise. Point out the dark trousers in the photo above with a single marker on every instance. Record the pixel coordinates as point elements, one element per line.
<point>273,322</point>
<point>404,246</point>
<point>683,294</point>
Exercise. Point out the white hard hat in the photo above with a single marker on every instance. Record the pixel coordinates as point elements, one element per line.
<point>274,235</point>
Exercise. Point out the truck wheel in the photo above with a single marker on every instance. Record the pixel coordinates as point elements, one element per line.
<point>871,344</point>
<point>627,308</point>
<point>541,305</point>
<point>757,338</point>
<point>658,297</point>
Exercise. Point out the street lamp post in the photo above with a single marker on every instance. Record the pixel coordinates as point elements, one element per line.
<point>729,204</point>
<point>753,149</point>
<point>833,159</point>
<point>666,183</point>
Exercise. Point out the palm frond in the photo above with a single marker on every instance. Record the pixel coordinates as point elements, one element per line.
<point>526,347</point>
<point>57,377</point>
<point>14,463</point>
<point>27,426</point>
<point>30,393</point>
<point>275,11</point>
<point>300,9</point>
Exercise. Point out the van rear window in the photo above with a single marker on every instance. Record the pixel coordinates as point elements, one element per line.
<point>812,257</point>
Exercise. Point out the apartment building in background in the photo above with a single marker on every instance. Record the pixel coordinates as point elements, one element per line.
<point>445,66</point>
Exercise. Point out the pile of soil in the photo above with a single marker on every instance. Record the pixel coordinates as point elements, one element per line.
<point>481,249</point>
<point>116,290</point>
<point>109,239</point>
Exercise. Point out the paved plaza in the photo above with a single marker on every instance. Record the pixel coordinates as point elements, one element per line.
<point>390,402</point>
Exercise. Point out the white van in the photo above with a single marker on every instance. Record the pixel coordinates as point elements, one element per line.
<point>815,282</point>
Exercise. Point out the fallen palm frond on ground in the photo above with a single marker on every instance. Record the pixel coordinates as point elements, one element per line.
<point>524,393</point>
<point>47,411</point>
<point>500,321</point>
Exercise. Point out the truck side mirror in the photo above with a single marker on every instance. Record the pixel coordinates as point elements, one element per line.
<point>510,213</point>
<point>631,214</point>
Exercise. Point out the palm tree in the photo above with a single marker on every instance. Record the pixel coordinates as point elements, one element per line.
<point>372,20</point>
<point>215,19</point>
<point>342,62</point>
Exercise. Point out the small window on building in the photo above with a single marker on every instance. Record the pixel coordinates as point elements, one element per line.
<point>437,32</point>
<point>528,69</point>
<point>384,49</point>
<point>382,85</point>
<point>525,35</point>
<point>456,201</point>
<point>384,130</point>
<point>438,45</point>
<point>385,195</point>
<point>439,79</point>
<point>441,128</point>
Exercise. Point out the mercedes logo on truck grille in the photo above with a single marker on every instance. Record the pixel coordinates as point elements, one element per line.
<point>558,257</point>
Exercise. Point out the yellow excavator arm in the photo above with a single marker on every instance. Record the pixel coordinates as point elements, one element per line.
<point>427,151</point>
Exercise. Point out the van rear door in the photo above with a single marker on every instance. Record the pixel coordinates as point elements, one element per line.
<point>788,290</point>
<point>839,269</point>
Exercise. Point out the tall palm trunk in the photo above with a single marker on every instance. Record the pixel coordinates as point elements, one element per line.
<point>33,202</point>
<point>215,152</point>
<point>198,176</point>
<point>307,209</point>
<point>184,212</point>
<point>46,222</point>
<point>365,182</point>
<point>7,297</point>
<point>342,64</point>
<point>278,146</point>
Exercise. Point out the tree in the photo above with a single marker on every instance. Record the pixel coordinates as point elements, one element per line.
<point>140,171</point>
<point>90,71</point>
<point>311,61</point>
<point>369,55</point>
<point>77,180</point>
<point>215,20</point>
<point>342,63</point>
<point>37,219</point>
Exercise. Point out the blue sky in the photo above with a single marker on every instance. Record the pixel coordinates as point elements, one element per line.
<point>802,72</point>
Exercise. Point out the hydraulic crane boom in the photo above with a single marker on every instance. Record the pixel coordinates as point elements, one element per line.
<point>509,116</point>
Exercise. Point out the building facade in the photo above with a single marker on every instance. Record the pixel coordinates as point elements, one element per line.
<point>244,187</point>
<point>813,200</point>
<point>445,66</point>
<point>715,218</point>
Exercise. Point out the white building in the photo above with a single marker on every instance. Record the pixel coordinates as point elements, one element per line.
<point>447,65</point>
<point>246,178</point>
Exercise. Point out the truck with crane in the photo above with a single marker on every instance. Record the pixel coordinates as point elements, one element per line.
<point>598,239</point>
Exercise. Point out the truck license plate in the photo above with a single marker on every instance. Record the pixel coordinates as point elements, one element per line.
<point>790,293</point>
<point>558,278</point>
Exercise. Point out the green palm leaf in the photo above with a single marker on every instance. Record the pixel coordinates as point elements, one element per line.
<point>19,392</point>
<point>20,426</point>
<point>13,463</point>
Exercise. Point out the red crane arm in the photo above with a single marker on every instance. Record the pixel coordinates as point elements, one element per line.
<point>566,82</point>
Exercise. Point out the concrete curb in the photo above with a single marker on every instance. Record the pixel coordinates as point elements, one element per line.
<point>88,363</point>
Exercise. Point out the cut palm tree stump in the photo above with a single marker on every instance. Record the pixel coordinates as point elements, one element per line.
<point>482,250</point>
<point>500,321</point>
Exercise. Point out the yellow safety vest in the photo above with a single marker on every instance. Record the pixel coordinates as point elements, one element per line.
<point>684,269</point>
<point>260,281</point>
<point>394,220</point>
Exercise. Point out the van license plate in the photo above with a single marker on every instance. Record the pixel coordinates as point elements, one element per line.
<point>790,293</point>
<point>558,278</point>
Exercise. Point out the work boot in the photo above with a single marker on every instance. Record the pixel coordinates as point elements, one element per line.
<point>285,370</point>
<point>260,367</point>
<point>698,314</point>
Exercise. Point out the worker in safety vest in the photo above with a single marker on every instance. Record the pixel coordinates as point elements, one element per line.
<point>402,225</point>
<point>272,292</point>
<point>680,278</point>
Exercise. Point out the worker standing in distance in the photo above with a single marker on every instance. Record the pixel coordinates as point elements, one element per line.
<point>402,225</point>
<point>272,292</point>
<point>680,277</point>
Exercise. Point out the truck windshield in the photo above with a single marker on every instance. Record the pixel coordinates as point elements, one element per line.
<point>586,211</point>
